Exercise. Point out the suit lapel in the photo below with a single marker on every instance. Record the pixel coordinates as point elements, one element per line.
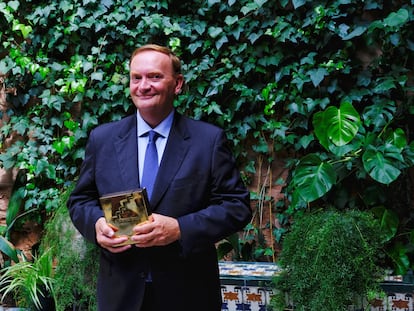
<point>173,157</point>
<point>126,149</point>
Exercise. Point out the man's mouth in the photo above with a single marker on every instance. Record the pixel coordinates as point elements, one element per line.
<point>144,97</point>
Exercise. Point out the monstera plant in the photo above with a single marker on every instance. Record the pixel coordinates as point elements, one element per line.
<point>361,155</point>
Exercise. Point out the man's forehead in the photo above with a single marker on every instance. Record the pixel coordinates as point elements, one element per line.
<point>153,56</point>
<point>151,61</point>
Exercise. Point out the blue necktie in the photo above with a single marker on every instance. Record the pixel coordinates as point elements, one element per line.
<point>150,163</point>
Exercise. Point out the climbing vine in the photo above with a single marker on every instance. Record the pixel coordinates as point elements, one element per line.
<point>325,86</point>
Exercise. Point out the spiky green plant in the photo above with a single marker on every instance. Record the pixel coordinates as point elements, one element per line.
<point>29,281</point>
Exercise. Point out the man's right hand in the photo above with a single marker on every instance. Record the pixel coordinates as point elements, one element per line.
<point>105,236</point>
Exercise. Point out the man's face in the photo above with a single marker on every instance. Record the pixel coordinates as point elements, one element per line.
<point>153,84</point>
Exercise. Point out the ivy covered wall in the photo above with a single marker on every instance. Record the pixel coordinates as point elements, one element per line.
<point>265,71</point>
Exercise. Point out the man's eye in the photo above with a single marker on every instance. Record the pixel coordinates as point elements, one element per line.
<point>156,77</point>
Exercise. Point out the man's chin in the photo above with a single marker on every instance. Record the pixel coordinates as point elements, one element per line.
<point>147,105</point>
<point>146,102</point>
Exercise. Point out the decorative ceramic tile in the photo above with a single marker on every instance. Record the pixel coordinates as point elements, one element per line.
<point>249,298</point>
<point>399,297</point>
<point>248,270</point>
<point>247,286</point>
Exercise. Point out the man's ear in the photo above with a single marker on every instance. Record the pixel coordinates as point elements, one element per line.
<point>179,82</point>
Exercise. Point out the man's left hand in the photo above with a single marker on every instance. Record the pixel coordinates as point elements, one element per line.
<point>159,231</point>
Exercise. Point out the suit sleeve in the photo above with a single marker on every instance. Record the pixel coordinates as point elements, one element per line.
<point>228,209</point>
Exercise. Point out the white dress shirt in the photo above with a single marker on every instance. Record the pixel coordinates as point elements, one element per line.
<point>163,129</point>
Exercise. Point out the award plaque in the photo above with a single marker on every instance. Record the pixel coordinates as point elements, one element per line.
<point>124,210</point>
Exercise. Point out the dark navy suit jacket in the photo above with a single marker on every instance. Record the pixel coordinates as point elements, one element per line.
<point>197,183</point>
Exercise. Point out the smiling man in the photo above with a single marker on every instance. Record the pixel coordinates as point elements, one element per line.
<point>196,200</point>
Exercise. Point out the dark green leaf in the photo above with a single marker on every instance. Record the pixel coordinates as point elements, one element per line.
<point>8,249</point>
<point>298,3</point>
<point>98,76</point>
<point>215,31</point>
<point>396,138</point>
<point>397,18</point>
<point>313,178</point>
<point>15,204</point>
<point>385,85</point>
<point>317,75</point>
<point>320,126</point>
<point>381,165</point>
<point>389,221</point>
<point>359,30</point>
<point>230,20</point>
<point>342,124</point>
<point>398,253</point>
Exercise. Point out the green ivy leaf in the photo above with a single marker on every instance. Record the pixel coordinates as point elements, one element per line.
<point>359,30</point>
<point>25,30</point>
<point>261,146</point>
<point>317,75</point>
<point>230,20</point>
<point>200,27</point>
<point>59,147</point>
<point>313,178</point>
<point>14,5</point>
<point>249,7</point>
<point>22,126</point>
<point>298,3</point>
<point>71,125</point>
<point>98,76</point>
<point>214,31</point>
<point>397,18</point>
<point>221,41</point>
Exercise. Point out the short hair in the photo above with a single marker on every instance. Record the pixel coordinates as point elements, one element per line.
<point>175,61</point>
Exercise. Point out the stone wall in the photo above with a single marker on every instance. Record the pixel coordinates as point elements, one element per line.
<point>7,178</point>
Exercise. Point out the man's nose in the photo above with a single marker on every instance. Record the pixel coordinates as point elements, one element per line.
<point>144,84</point>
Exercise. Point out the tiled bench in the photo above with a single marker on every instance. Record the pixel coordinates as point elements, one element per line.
<point>399,296</point>
<point>247,286</point>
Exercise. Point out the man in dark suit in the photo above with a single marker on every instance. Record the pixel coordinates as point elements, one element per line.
<point>198,197</point>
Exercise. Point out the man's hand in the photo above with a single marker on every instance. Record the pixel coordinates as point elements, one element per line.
<point>105,236</point>
<point>160,230</point>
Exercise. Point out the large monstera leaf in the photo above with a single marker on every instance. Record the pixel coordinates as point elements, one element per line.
<point>384,161</point>
<point>313,178</point>
<point>336,125</point>
<point>381,163</point>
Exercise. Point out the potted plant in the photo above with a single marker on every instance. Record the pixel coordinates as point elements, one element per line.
<point>330,261</point>
<point>30,282</point>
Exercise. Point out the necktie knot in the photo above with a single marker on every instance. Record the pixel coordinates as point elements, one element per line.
<point>152,136</point>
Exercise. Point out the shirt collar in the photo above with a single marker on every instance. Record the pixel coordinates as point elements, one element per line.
<point>163,128</point>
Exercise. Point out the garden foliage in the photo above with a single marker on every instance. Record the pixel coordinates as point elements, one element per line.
<point>335,264</point>
<point>327,85</point>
